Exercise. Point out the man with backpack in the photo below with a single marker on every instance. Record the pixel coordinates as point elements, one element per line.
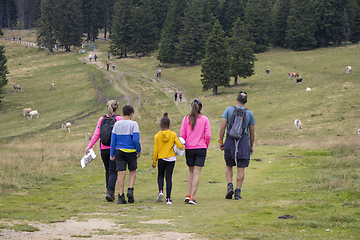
<point>239,123</point>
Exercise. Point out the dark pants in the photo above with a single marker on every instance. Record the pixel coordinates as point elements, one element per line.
<point>110,169</point>
<point>165,169</point>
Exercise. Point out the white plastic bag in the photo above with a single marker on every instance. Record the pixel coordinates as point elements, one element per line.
<point>87,158</point>
<point>178,151</point>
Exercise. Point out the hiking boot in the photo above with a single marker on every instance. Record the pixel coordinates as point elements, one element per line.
<point>122,199</point>
<point>110,196</point>
<point>187,198</point>
<point>130,195</point>
<point>192,201</point>
<point>168,201</point>
<point>160,196</point>
<point>237,194</point>
<point>230,191</point>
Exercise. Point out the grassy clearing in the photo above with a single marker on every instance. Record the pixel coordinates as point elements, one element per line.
<point>311,174</point>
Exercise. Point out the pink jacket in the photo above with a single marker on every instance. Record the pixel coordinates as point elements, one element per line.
<point>200,136</point>
<point>96,134</point>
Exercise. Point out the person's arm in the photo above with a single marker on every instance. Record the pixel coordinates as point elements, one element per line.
<point>207,132</point>
<point>95,136</point>
<point>183,129</point>
<point>112,146</point>
<point>155,153</point>
<point>177,142</point>
<point>222,133</point>
<point>252,137</point>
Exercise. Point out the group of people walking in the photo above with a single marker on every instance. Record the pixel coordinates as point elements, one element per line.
<point>121,152</point>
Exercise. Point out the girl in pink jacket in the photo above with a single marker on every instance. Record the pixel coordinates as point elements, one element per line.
<point>196,131</point>
<point>110,166</point>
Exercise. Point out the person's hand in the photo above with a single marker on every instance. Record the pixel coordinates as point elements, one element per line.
<point>154,166</point>
<point>221,146</point>
<point>138,155</point>
<point>87,151</point>
<point>251,150</point>
<point>112,158</point>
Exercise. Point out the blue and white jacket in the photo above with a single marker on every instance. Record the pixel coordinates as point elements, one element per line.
<point>125,136</point>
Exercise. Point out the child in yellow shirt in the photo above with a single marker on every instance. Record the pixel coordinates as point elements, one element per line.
<point>165,156</point>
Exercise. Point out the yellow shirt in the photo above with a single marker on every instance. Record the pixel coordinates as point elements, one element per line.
<point>164,145</point>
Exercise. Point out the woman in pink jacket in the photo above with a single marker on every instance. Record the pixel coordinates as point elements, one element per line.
<point>110,166</point>
<point>196,131</point>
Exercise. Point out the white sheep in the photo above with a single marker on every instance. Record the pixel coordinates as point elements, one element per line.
<point>68,126</point>
<point>26,111</point>
<point>53,86</point>
<point>308,89</point>
<point>348,69</point>
<point>33,113</point>
<point>297,124</point>
<point>17,88</point>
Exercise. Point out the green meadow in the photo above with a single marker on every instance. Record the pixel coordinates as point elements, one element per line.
<point>312,174</point>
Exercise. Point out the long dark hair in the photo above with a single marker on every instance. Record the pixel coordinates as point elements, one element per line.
<point>165,122</point>
<point>196,107</point>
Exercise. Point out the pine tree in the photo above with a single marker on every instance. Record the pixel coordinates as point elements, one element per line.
<point>279,21</point>
<point>170,33</point>
<point>353,10</point>
<point>46,33</point>
<point>3,68</point>
<point>121,36</point>
<point>300,34</point>
<point>192,38</point>
<point>241,52</point>
<point>230,11</point>
<point>68,23</point>
<point>143,30</point>
<point>215,65</point>
<point>93,12</point>
<point>257,19</point>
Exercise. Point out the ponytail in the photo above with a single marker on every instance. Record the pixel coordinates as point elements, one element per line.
<point>196,107</point>
<point>111,107</point>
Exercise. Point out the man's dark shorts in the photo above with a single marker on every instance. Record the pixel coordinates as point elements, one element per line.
<point>124,159</point>
<point>243,156</point>
<point>195,157</point>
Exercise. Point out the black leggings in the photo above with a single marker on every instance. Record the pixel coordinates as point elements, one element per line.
<point>165,167</point>
<point>110,169</point>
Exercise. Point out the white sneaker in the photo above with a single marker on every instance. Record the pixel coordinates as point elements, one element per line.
<point>160,196</point>
<point>168,201</point>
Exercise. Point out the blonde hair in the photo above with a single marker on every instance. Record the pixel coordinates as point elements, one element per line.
<point>111,107</point>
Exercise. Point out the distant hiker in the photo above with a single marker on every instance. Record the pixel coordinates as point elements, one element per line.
<point>100,131</point>
<point>94,48</point>
<point>55,46</point>
<point>95,57</point>
<point>90,57</point>
<point>107,66</point>
<point>180,96</point>
<point>165,156</point>
<point>19,38</point>
<point>125,149</point>
<point>196,131</point>
<point>113,65</point>
<point>158,73</point>
<point>238,146</point>
<point>108,55</point>
<point>175,95</point>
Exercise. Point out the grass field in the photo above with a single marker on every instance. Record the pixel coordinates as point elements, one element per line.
<point>311,174</point>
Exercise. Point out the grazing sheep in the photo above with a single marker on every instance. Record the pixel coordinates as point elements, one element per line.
<point>25,111</point>
<point>17,88</point>
<point>88,137</point>
<point>68,126</point>
<point>298,81</point>
<point>297,124</point>
<point>293,74</point>
<point>308,89</point>
<point>53,86</point>
<point>63,124</point>
<point>348,70</point>
<point>359,131</point>
<point>33,113</point>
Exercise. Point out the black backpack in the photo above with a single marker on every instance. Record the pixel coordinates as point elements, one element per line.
<point>106,127</point>
<point>237,123</point>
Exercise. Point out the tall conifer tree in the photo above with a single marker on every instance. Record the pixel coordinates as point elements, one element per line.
<point>230,11</point>
<point>241,52</point>
<point>3,69</point>
<point>215,65</point>
<point>93,12</point>
<point>279,20</point>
